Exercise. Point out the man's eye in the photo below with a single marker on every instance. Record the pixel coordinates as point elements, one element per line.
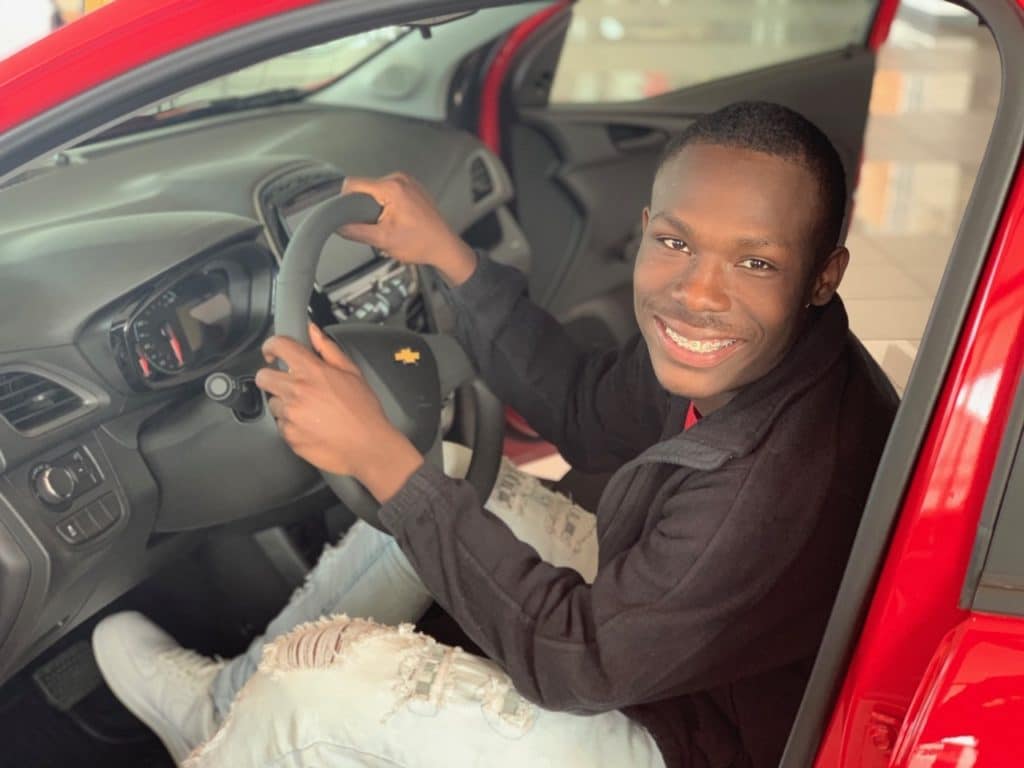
<point>758,265</point>
<point>674,243</point>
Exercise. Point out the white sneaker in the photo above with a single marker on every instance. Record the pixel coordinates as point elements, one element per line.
<point>164,685</point>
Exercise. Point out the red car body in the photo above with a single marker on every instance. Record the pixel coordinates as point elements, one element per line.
<point>929,683</point>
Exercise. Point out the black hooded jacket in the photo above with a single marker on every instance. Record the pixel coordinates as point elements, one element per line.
<point>721,547</point>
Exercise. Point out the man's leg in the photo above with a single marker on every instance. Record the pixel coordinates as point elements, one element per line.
<point>349,692</point>
<point>367,576</point>
<point>364,576</point>
<point>346,692</point>
<point>561,532</point>
<point>183,696</point>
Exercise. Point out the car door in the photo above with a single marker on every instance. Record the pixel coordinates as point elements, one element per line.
<point>922,659</point>
<point>591,91</point>
<point>969,699</point>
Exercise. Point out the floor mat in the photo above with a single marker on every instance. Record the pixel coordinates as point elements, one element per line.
<point>97,731</point>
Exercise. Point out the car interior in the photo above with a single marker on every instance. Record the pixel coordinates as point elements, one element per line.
<point>138,469</point>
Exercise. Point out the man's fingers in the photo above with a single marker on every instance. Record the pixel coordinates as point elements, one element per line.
<point>382,190</point>
<point>330,351</point>
<point>276,407</point>
<point>296,356</point>
<point>370,234</point>
<point>366,185</point>
<point>273,382</point>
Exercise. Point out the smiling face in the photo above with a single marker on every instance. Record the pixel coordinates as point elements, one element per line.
<point>728,261</point>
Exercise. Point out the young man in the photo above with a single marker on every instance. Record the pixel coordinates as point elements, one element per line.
<point>744,424</point>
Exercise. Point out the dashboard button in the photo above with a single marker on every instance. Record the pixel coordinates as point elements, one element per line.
<point>87,524</point>
<point>70,532</point>
<point>390,298</point>
<point>86,474</point>
<point>401,284</point>
<point>368,311</point>
<point>54,484</point>
<point>103,516</point>
<point>111,506</point>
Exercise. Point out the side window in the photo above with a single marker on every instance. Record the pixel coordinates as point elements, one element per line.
<point>626,50</point>
<point>995,577</point>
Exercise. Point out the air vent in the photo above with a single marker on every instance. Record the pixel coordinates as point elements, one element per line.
<point>480,180</point>
<point>29,402</point>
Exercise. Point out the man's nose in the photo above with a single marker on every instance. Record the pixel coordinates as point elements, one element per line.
<point>701,287</point>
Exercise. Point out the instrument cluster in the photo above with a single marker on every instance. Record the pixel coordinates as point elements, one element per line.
<point>184,326</point>
<point>193,320</point>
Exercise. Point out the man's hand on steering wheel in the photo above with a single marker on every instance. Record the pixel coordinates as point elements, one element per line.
<point>329,416</point>
<point>410,228</point>
<point>369,418</point>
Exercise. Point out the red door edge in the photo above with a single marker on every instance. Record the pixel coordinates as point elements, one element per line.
<point>489,125</point>
<point>882,23</point>
<point>916,601</point>
<point>522,444</point>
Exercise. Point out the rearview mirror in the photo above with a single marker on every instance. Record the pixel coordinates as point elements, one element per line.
<point>427,24</point>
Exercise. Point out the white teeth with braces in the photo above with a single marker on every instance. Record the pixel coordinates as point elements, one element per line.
<point>702,347</point>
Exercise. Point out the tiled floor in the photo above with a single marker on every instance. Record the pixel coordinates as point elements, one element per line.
<point>932,109</point>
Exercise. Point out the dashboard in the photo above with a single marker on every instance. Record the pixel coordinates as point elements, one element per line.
<point>134,268</point>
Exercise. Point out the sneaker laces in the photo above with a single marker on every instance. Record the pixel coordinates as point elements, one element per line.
<point>189,665</point>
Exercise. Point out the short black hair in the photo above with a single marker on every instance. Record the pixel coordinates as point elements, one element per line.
<point>762,126</point>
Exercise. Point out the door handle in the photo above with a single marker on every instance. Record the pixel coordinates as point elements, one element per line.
<point>636,138</point>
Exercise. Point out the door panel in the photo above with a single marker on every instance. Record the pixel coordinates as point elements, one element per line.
<point>583,172</point>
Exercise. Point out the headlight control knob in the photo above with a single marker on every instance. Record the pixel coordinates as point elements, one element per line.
<point>54,485</point>
<point>222,388</point>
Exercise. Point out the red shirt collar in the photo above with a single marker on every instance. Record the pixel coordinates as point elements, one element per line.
<point>692,416</point>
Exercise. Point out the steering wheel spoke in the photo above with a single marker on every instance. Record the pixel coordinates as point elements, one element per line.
<point>453,363</point>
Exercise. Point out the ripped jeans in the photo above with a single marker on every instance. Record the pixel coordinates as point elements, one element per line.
<point>340,678</point>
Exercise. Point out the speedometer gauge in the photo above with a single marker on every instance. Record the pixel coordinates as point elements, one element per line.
<point>183,326</point>
<point>157,342</point>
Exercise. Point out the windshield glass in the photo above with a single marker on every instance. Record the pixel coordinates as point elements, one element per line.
<point>306,70</point>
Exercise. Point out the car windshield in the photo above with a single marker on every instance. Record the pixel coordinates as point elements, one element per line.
<point>298,74</point>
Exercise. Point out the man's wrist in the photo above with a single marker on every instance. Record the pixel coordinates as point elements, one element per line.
<point>389,465</point>
<point>459,265</point>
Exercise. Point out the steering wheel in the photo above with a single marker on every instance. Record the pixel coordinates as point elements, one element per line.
<point>410,373</point>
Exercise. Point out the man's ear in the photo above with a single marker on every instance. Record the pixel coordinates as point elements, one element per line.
<point>827,281</point>
<point>644,218</point>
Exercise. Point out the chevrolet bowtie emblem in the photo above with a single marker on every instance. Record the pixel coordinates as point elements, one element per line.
<point>407,356</point>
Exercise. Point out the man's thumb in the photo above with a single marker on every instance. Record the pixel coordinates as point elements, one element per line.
<point>329,352</point>
<point>370,234</point>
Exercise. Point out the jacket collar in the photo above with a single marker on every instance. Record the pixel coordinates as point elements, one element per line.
<point>738,428</point>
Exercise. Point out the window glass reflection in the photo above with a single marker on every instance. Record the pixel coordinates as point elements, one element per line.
<point>624,50</point>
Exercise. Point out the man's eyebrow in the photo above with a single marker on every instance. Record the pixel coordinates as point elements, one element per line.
<point>668,218</point>
<point>742,242</point>
<point>757,242</point>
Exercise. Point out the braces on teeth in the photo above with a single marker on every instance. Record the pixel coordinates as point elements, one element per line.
<point>702,347</point>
